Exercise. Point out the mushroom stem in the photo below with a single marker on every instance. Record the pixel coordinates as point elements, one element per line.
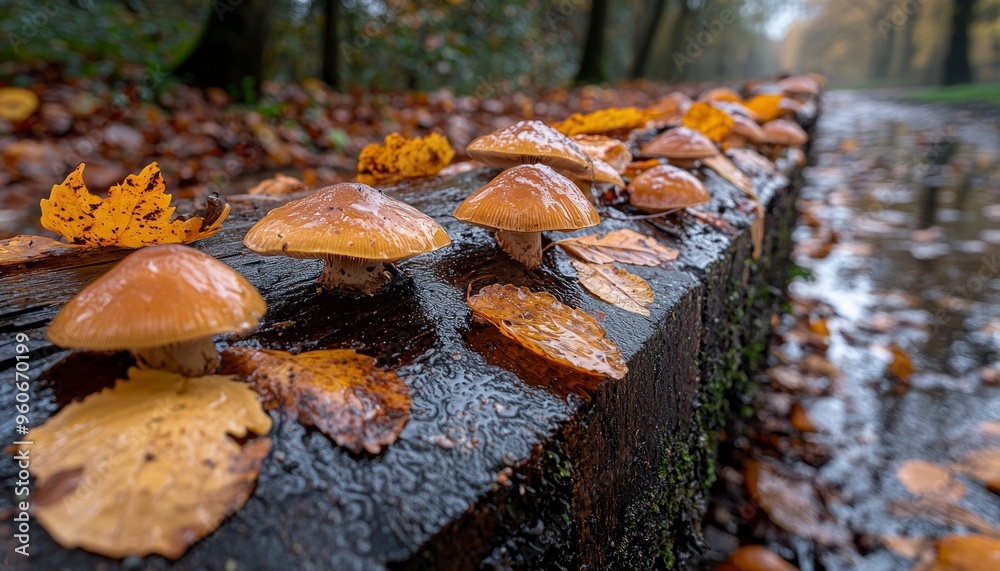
<point>354,274</point>
<point>525,247</point>
<point>190,358</point>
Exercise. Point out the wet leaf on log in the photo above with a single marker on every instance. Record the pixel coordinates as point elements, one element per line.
<point>615,286</point>
<point>338,391</point>
<point>151,465</point>
<point>967,553</point>
<point>136,213</point>
<point>550,329</point>
<point>713,122</point>
<point>625,246</point>
<point>25,248</point>
<point>930,481</point>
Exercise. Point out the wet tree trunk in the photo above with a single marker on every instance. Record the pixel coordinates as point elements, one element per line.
<point>957,68</point>
<point>592,68</point>
<point>677,70</point>
<point>331,44</point>
<point>646,42</point>
<point>230,53</point>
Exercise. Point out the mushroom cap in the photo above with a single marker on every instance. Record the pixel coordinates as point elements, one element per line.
<point>736,108</point>
<point>607,174</point>
<point>529,198</point>
<point>746,127</point>
<point>680,143</point>
<point>600,147</point>
<point>346,219</point>
<point>666,187</point>
<point>799,85</point>
<point>530,142</point>
<point>157,296</point>
<point>721,94</point>
<point>784,132</point>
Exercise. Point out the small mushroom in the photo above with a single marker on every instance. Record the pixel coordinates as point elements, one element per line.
<point>799,87</point>
<point>521,203</point>
<point>354,228</point>
<point>600,147</point>
<point>666,188</point>
<point>721,94</point>
<point>744,131</point>
<point>681,146</point>
<point>164,304</point>
<point>531,142</point>
<point>781,134</point>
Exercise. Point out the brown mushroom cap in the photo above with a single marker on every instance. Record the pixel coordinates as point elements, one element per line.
<point>666,187</point>
<point>680,143</point>
<point>721,94</point>
<point>734,108</point>
<point>530,142</point>
<point>606,174</point>
<point>160,295</point>
<point>746,127</point>
<point>799,85</point>
<point>784,132</point>
<point>347,219</point>
<point>529,198</point>
<point>611,151</point>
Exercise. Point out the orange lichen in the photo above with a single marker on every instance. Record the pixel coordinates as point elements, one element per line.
<point>399,158</point>
<point>604,121</point>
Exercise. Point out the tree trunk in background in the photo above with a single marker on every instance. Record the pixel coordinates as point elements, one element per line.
<point>331,44</point>
<point>230,53</point>
<point>956,64</point>
<point>884,42</point>
<point>592,63</point>
<point>904,65</point>
<point>677,40</point>
<point>646,43</point>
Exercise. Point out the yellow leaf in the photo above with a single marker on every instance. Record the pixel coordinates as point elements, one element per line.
<point>931,481</point>
<point>399,158</point>
<point>550,329</point>
<point>625,246</point>
<point>710,120</point>
<point>340,392</point>
<point>603,121</point>
<point>136,213</point>
<point>615,286</point>
<point>17,104</point>
<point>25,248</point>
<point>149,466</point>
<point>767,107</point>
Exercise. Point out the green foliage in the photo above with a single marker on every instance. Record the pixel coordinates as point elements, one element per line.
<point>975,92</point>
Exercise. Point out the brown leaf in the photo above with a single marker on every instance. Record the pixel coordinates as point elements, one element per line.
<point>625,246</point>
<point>901,368</point>
<point>800,419</point>
<point>908,547</point>
<point>278,185</point>
<point>757,236</point>
<point>615,286</point>
<point>983,465</point>
<point>24,248</point>
<point>550,329</point>
<point>793,504</point>
<point>930,481</point>
<point>338,391</point>
<point>967,553</point>
<point>149,466</point>
<point>759,558</point>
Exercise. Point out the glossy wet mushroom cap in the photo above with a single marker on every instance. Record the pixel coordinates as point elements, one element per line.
<point>665,188</point>
<point>747,129</point>
<point>784,133</point>
<point>524,201</point>
<point>167,296</point>
<point>530,142</point>
<point>680,143</point>
<point>352,226</point>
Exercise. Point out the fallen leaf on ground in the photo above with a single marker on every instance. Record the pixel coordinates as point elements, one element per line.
<point>625,246</point>
<point>786,378</point>
<point>908,547</point>
<point>713,122</point>
<point>990,376</point>
<point>901,367</point>
<point>602,121</point>
<point>967,553</point>
<point>759,558</point>
<point>983,465</point>
<point>615,286</point>
<point>24,248</point>
<point>151,465</point>
<point>550,329</point>
<point>399,158</point>
<point>800,419</point>
<point>17,104</point>
<point>136,213</point>
<point>338,391</point>
<point>929,480</point>
<point>278,185</point>
<point>949,514</point>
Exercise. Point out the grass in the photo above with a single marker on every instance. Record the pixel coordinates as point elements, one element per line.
<point>966,93</point>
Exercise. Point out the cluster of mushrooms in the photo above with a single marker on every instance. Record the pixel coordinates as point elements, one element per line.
<point>186,297</point>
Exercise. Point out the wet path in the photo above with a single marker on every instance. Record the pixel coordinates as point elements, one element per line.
<point>890,354</point>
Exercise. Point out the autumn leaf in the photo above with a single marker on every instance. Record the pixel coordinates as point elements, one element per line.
<point>17,104</point>
<point>793,504</point>
<point>615,286</point>
<point>759,558</point>
<point>136,213</point>
<point>151,465</point>
<point>930,481</point>
<point>24,248</point>
<point>548,328</point>
<point>399,158</point>
<point>984,465</point>
<point>721,164</point>
<point>603,121</point>
<point>901,367</point>
<point>713,122</point>
<point>625,246</point>
<point>967,553</point>
<point>768,107</point>
<point>278,185</point>
<point>338,391</point>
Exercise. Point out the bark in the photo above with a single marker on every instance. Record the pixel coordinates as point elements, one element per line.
<point>230,53</point>
<point>957,68</point>
<point>592,68</point>
<point>331,44</point>
<point>646,42</point>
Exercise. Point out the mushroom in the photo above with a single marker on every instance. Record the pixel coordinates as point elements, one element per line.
<point>735,108</point>
<point>669,110</point>
<point>612,151</point>
<point>164,304</point>
<point>721,94</point>
<point>521,203</point>
<point>666,188</point>
<point>781,134</point>
<point>684,147</point>
<point>799,87</point>
<point>745,130</point>
<point>354,228</point>
<point>530,142</point>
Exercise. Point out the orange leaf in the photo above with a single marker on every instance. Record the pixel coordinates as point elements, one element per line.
<point>983,465</point>
<point>901,366</point>
<point>548,328</point>
<point>967,553</point>
<point>929,480</point>
<point>399,158</point>
<point>603,121</point>
<point>615,286</point>
<point>767,107</point>
<point>625,246</point>
<point>136,213</point>
<point>759,558</point>
<point>710,120</point>
<point>338,391</point>
<point>24,248</point>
